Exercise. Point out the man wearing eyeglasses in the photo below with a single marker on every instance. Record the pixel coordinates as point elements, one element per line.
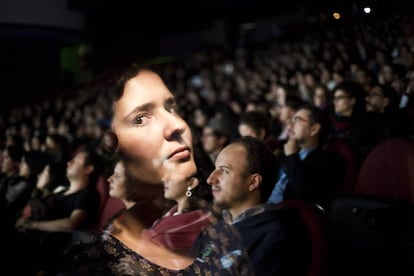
<point>307,171</point>
<point>382,104</point>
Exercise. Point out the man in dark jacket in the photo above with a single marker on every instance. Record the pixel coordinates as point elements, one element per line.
<point>307,171</point>
<point>243,179</point>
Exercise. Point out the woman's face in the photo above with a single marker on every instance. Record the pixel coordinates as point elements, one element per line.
<point>175,187</point>
<point>116,181</point>
<point>155,139</point>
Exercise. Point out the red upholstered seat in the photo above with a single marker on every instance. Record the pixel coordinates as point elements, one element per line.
<point>112,206</point>
<point>317,223</point>
<point>388,171</point>
<point>350,156</point>
<point>108,205</point>
<point>102,187</point>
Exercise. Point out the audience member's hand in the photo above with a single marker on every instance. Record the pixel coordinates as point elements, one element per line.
<point>291,147</point>
<point>43,179</point>
<point>22,224</point>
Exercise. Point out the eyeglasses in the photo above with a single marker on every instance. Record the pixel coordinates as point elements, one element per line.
<point>297,119</point>
<point>341,97</point>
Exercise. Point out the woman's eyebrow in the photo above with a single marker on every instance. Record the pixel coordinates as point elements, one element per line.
<point>170,101</point>
<point>140,108</point>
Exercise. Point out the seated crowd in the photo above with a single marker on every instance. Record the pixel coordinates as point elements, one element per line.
<point>259,132</point>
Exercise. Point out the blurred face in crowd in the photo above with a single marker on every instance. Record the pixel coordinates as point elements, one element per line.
<point>286,114</point>
<point>246,130</point>
<point>280,96</point>
<point>200,118</point>
<point>229,181</point>
<point>302,128</point>
<point>76,166</point>
<point>210,141</point>
<point>343,103</point>
<point>320,97</point>
<point>117,182</point>
<point>24,169</point>
<point>375,101</point>
<point>8,165</point>
<point>150,132</point>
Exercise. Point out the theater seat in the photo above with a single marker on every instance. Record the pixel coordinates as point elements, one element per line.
<point>373,228</point>
<point>108,205</point>
<point>388,171</point>
<point>349,154</point>
<point>102,187</point>
<point>112,206</point>
<point>317,223</point>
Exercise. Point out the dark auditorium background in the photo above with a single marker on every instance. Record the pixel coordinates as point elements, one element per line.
<point>49,45</point>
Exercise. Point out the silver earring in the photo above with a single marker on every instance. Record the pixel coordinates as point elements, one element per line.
<point>188,193</point>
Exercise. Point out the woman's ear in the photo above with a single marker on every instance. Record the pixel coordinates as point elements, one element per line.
<point>193,182</point>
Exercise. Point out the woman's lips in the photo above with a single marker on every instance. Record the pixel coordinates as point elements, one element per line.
<point>180,154</point>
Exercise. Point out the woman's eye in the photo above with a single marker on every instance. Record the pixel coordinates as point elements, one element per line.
<point>139,120</point>
<point>172,109</point>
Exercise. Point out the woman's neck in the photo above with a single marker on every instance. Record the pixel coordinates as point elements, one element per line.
<point>181,205</point>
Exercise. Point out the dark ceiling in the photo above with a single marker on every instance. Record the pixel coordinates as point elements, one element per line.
<point>169,17</point>
<point>158,18</point>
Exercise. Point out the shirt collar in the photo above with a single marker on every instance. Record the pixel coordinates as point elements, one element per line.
<point>245,214</point>
<point>304,152</point>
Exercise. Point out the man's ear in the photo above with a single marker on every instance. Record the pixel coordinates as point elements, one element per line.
<point>315,129</point>
<point>255,181</point>
<point>89,169</point>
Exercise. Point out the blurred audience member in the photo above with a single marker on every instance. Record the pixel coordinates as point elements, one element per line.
<point>257,124</point>
<point>48,230</point>
<point>215,136</point>
<point>349,118</point>
<point>382,104</point>
<point>11,157</point>
<point>307,171</point>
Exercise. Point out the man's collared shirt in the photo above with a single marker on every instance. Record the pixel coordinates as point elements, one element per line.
<point>280,186</point>
<point>246,214</point>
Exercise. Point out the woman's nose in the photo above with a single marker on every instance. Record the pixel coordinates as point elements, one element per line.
<point>175,126</point>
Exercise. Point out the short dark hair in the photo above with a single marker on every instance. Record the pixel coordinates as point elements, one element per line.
<point>91,159</point>
<point>293,102</point>
<point>260,159</point>
<point>354,90</point>
<point>256,120</point>
<point>319,116</point>
<point>15,152</point>
<point>390,93</point>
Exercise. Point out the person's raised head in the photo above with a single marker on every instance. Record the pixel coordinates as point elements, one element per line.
<point>245,173</point>
<point>153,138</point>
